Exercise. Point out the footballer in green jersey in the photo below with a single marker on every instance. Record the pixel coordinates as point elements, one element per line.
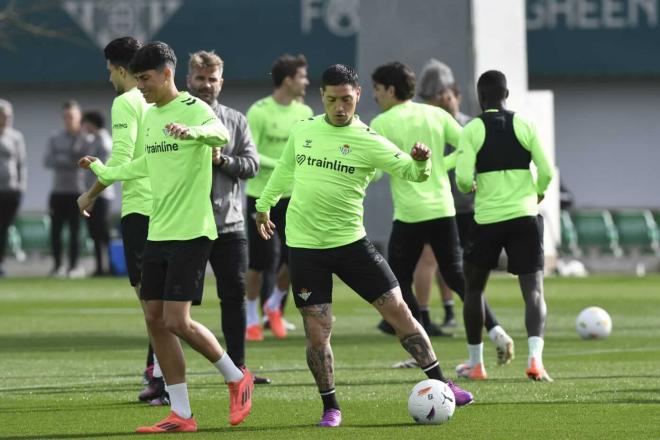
<point>423,213</point>
<point>128,110</point>
<point>270,120</point>
<point>330,159</point>
<point>500,146</point>
<point>179,132</point>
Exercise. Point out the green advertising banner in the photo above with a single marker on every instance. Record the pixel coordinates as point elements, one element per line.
<point>50,41</point>
<point>593,37</point>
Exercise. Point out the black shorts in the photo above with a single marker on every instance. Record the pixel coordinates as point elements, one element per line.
<point>134,231</point>
<point>263,252</point>
<point>521,238</point>
<point>174,270</point>
<point>358,264</point>
<point>464,222</point>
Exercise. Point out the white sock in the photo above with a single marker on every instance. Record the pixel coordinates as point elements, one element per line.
<point>535,345</point>
<point>275,299</point>
<point>476,352</point>
<point>496,332</point>
<point>179,400</point>
<point>252,311</point>
<point>227,368</point>
<point>157,371</point>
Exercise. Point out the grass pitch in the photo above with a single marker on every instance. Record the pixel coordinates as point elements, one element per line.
<point>72,352</point>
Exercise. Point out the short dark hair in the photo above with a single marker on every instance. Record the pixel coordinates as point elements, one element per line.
<point>121,51</point>
<point>286,65</point>
<point>492,85</point>
<point>154,55</point>
<point>398,75</point>
<point>68,105</point>
<point>94,117</point>
<point>339,75</point>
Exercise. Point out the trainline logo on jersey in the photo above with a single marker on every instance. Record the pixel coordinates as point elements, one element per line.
<point>335,165</point>
<point>163,147</point>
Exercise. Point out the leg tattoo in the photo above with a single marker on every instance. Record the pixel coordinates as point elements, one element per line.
<point>419,348</point>
<point>317,321</point>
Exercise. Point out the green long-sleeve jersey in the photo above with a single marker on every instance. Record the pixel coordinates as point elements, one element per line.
<point>410,122</point>
<point>270,124</point>
<point>504,194</point>
<point>179,170</point>
<point>128,110</point>
<point>330,168</point>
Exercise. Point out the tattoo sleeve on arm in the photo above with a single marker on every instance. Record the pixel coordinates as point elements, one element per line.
<point>419,348</point>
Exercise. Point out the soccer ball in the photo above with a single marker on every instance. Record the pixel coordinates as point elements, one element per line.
<point>593,323</point>
<point>431,402</point>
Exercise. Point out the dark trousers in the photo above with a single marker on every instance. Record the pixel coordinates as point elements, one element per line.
<point>64,209</point>
<point>229,260</point>
<point>99,229</point>
<point>9,202</point>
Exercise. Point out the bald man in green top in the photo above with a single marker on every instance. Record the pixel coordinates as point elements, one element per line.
<point>500,146</point>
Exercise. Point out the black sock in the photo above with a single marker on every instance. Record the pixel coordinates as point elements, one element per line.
<point>449,308</point>
<point>329,398</point>
<point>433,371</point>
<point>150,356</point>
<point>426,317</point>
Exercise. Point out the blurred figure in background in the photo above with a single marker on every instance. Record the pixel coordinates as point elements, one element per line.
<point>13,174</point>
<point>438,87</point>
<point>270,120</point>
<point>98,143</point>
<point>62,153</point>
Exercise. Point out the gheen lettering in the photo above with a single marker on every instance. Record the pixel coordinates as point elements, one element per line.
<point>161,148</point>
<point>335,165</point>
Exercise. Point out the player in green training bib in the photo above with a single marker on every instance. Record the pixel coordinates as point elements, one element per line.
<point>270,121</point>
<point>500,146</point>
<point>424,212</point>
<point>330,159</point>
<point>178,134</point>
<point>127,112</point>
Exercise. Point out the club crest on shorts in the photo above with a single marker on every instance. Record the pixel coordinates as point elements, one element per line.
<point>304,293</point>
<point>345,149</point>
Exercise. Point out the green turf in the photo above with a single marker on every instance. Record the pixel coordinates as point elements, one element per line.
<point>71,355</point>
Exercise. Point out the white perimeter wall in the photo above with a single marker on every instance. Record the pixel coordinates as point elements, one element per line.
<point>607,135</point>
